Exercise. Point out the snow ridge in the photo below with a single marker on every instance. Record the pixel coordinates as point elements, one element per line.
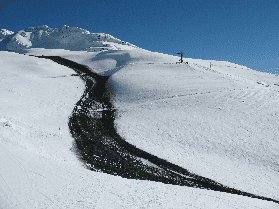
<point>69,38</point>
<point>4,33</point>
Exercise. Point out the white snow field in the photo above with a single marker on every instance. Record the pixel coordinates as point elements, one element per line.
<point>219,122</point>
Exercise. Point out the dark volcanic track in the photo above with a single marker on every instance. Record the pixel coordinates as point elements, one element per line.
<point>102,149</point>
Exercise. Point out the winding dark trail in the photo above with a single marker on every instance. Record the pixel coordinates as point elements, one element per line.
<point>101,148</point>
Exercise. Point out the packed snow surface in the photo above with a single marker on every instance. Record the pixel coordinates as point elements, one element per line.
<point>220,122</point>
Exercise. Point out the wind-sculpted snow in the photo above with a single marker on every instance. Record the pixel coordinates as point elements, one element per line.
<point>101,148</point>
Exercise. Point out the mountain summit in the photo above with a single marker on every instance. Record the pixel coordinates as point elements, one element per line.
<point>4,33</point>
<point>69,38</point>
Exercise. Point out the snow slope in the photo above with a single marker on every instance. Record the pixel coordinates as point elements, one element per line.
<point>219,126</point>
<point>218,122</point>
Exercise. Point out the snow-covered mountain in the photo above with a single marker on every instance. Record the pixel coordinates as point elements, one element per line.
<point>4,33</point>
<point>69,38</point>
<point>216,119</point>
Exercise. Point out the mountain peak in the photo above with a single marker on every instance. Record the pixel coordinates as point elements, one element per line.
<point>67,37</point>
<point>4,33</point>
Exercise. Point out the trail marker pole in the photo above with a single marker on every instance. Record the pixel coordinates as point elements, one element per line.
<point>181,57</point>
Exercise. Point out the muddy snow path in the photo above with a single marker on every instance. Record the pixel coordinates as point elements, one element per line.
<point>102,149</point>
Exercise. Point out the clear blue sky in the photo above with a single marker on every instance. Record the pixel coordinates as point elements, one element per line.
<point>245,32</point>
